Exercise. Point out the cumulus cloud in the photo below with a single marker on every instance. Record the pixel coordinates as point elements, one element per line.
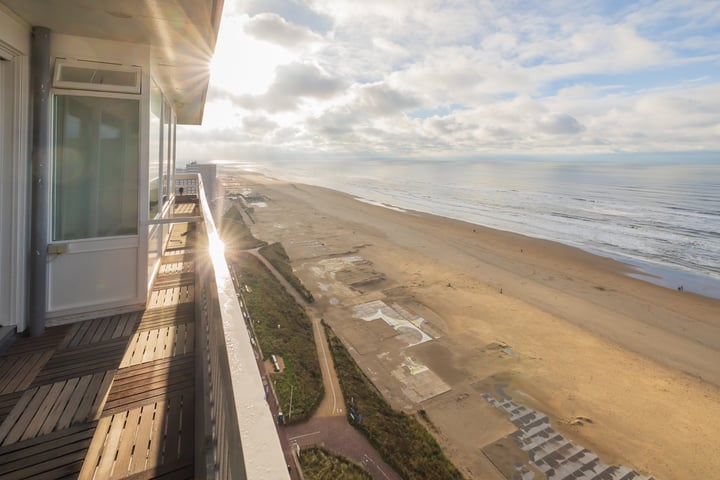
<point>273,28</point>
<point>293,83</point>
<point>559,124</point>
<point>381,99</point>
<point>548,77</point>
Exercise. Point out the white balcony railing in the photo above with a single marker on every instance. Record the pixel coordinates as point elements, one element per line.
<point>234,421</point>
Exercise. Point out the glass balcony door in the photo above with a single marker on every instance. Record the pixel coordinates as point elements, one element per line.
<point>94,227</point>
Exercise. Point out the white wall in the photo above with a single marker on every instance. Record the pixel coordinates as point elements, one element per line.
<point>14,143</point>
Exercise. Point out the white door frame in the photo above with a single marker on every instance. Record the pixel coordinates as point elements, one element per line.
<point>122,255</point>
<point>14,175</point>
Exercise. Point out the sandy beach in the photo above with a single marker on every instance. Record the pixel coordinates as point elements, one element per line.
<point>440,312</point>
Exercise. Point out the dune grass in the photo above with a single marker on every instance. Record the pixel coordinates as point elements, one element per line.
<point>271,306</point>
<point>399,438</point>
<point>276,255</point>
<point>235,233</point>
<point>320,464</point>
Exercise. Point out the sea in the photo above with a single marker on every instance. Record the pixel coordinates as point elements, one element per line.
<point>662,217</point>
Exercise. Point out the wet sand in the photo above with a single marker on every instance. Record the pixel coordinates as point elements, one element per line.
<point>562,331</point>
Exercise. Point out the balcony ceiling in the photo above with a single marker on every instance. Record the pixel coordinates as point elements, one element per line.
<point>182,34</point>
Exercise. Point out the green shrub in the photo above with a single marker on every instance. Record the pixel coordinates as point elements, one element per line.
<point>270,305</point>
<point>235,233</point>
<point>401,440</point>
<point>319,464</point>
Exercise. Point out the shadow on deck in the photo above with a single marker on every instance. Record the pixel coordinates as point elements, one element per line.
<point>110,397</point>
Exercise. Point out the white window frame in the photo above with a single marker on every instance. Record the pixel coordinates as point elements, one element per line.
<point>51,209</point>
<point>61,63</point>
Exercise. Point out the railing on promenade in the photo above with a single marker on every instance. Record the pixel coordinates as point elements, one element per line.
<point>233,422</point>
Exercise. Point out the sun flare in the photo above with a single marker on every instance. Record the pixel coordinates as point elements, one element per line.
<point>243,65</point>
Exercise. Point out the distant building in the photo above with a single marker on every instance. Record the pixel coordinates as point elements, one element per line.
<point>208,172</point>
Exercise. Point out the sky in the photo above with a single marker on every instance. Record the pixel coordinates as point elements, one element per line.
<point>446,79</point>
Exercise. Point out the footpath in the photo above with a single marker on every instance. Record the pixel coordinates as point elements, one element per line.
<point>328,427</point>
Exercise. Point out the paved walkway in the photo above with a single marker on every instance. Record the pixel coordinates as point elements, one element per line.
<point>332,403</point>
<point>328,427</point>
<point>335,434</point>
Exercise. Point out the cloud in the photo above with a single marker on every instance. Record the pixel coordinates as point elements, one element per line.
<point>273,28</point>
<point>441,77</point>
<point>381,99</point>
<point>258,125</point>
<point>293,83</point>
<point>298,13</point>
<point>559,124</point>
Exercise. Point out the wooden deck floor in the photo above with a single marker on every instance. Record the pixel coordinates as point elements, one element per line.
<point>107,398</point>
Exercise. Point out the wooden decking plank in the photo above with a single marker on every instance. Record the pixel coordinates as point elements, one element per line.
<point>167,337</point>
<point>172,427</point>
<point>85,409</point>
<point>169,319</point>
<point>9,372</point>
<point>75,399</point>
<point>126,447</point>
<point>177,255</point>
<point>187,428</point>
<point>153,337</point>
<point>130,325</point>
<point>42,443</point>
<point>164,370</point>
<point>82,361</point>
<point>156,395</point>
<point>164,367</point>
<point>173,279</point>
<point>7,402</point>
<point>187,294</point>
<point>38,395</point>
<point>16,412</point>
<point>79,334</point>
<point>174,471</point>
<point>101,396</point>
<point>126,324</point>
<point>135,349</point>
<point>150,385</point>
<point>157,437</point>
<point>40,450</point>
<point>51,469</point>
<point>69,336</point>
<point>110,443</point>
<point>119,326</point>
<point>188,340</point>
<point>59,406</point>
<point>135,392</point>
<point>89,333</point>
<point>101,329</point>
<point>142,440</point>
<point>43,410</point>
<point>47,341</point>
<point>95,449</point>
<point>68,471</point>
<point>27,369</point>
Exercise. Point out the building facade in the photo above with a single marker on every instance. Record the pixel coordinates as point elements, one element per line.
<point>90,96</point>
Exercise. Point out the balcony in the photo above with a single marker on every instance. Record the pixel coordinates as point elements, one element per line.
<point>172,391</point>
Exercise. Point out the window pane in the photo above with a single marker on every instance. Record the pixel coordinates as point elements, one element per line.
<point>155,149</point>
<point>95,175</point>
<point>166,153</point>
